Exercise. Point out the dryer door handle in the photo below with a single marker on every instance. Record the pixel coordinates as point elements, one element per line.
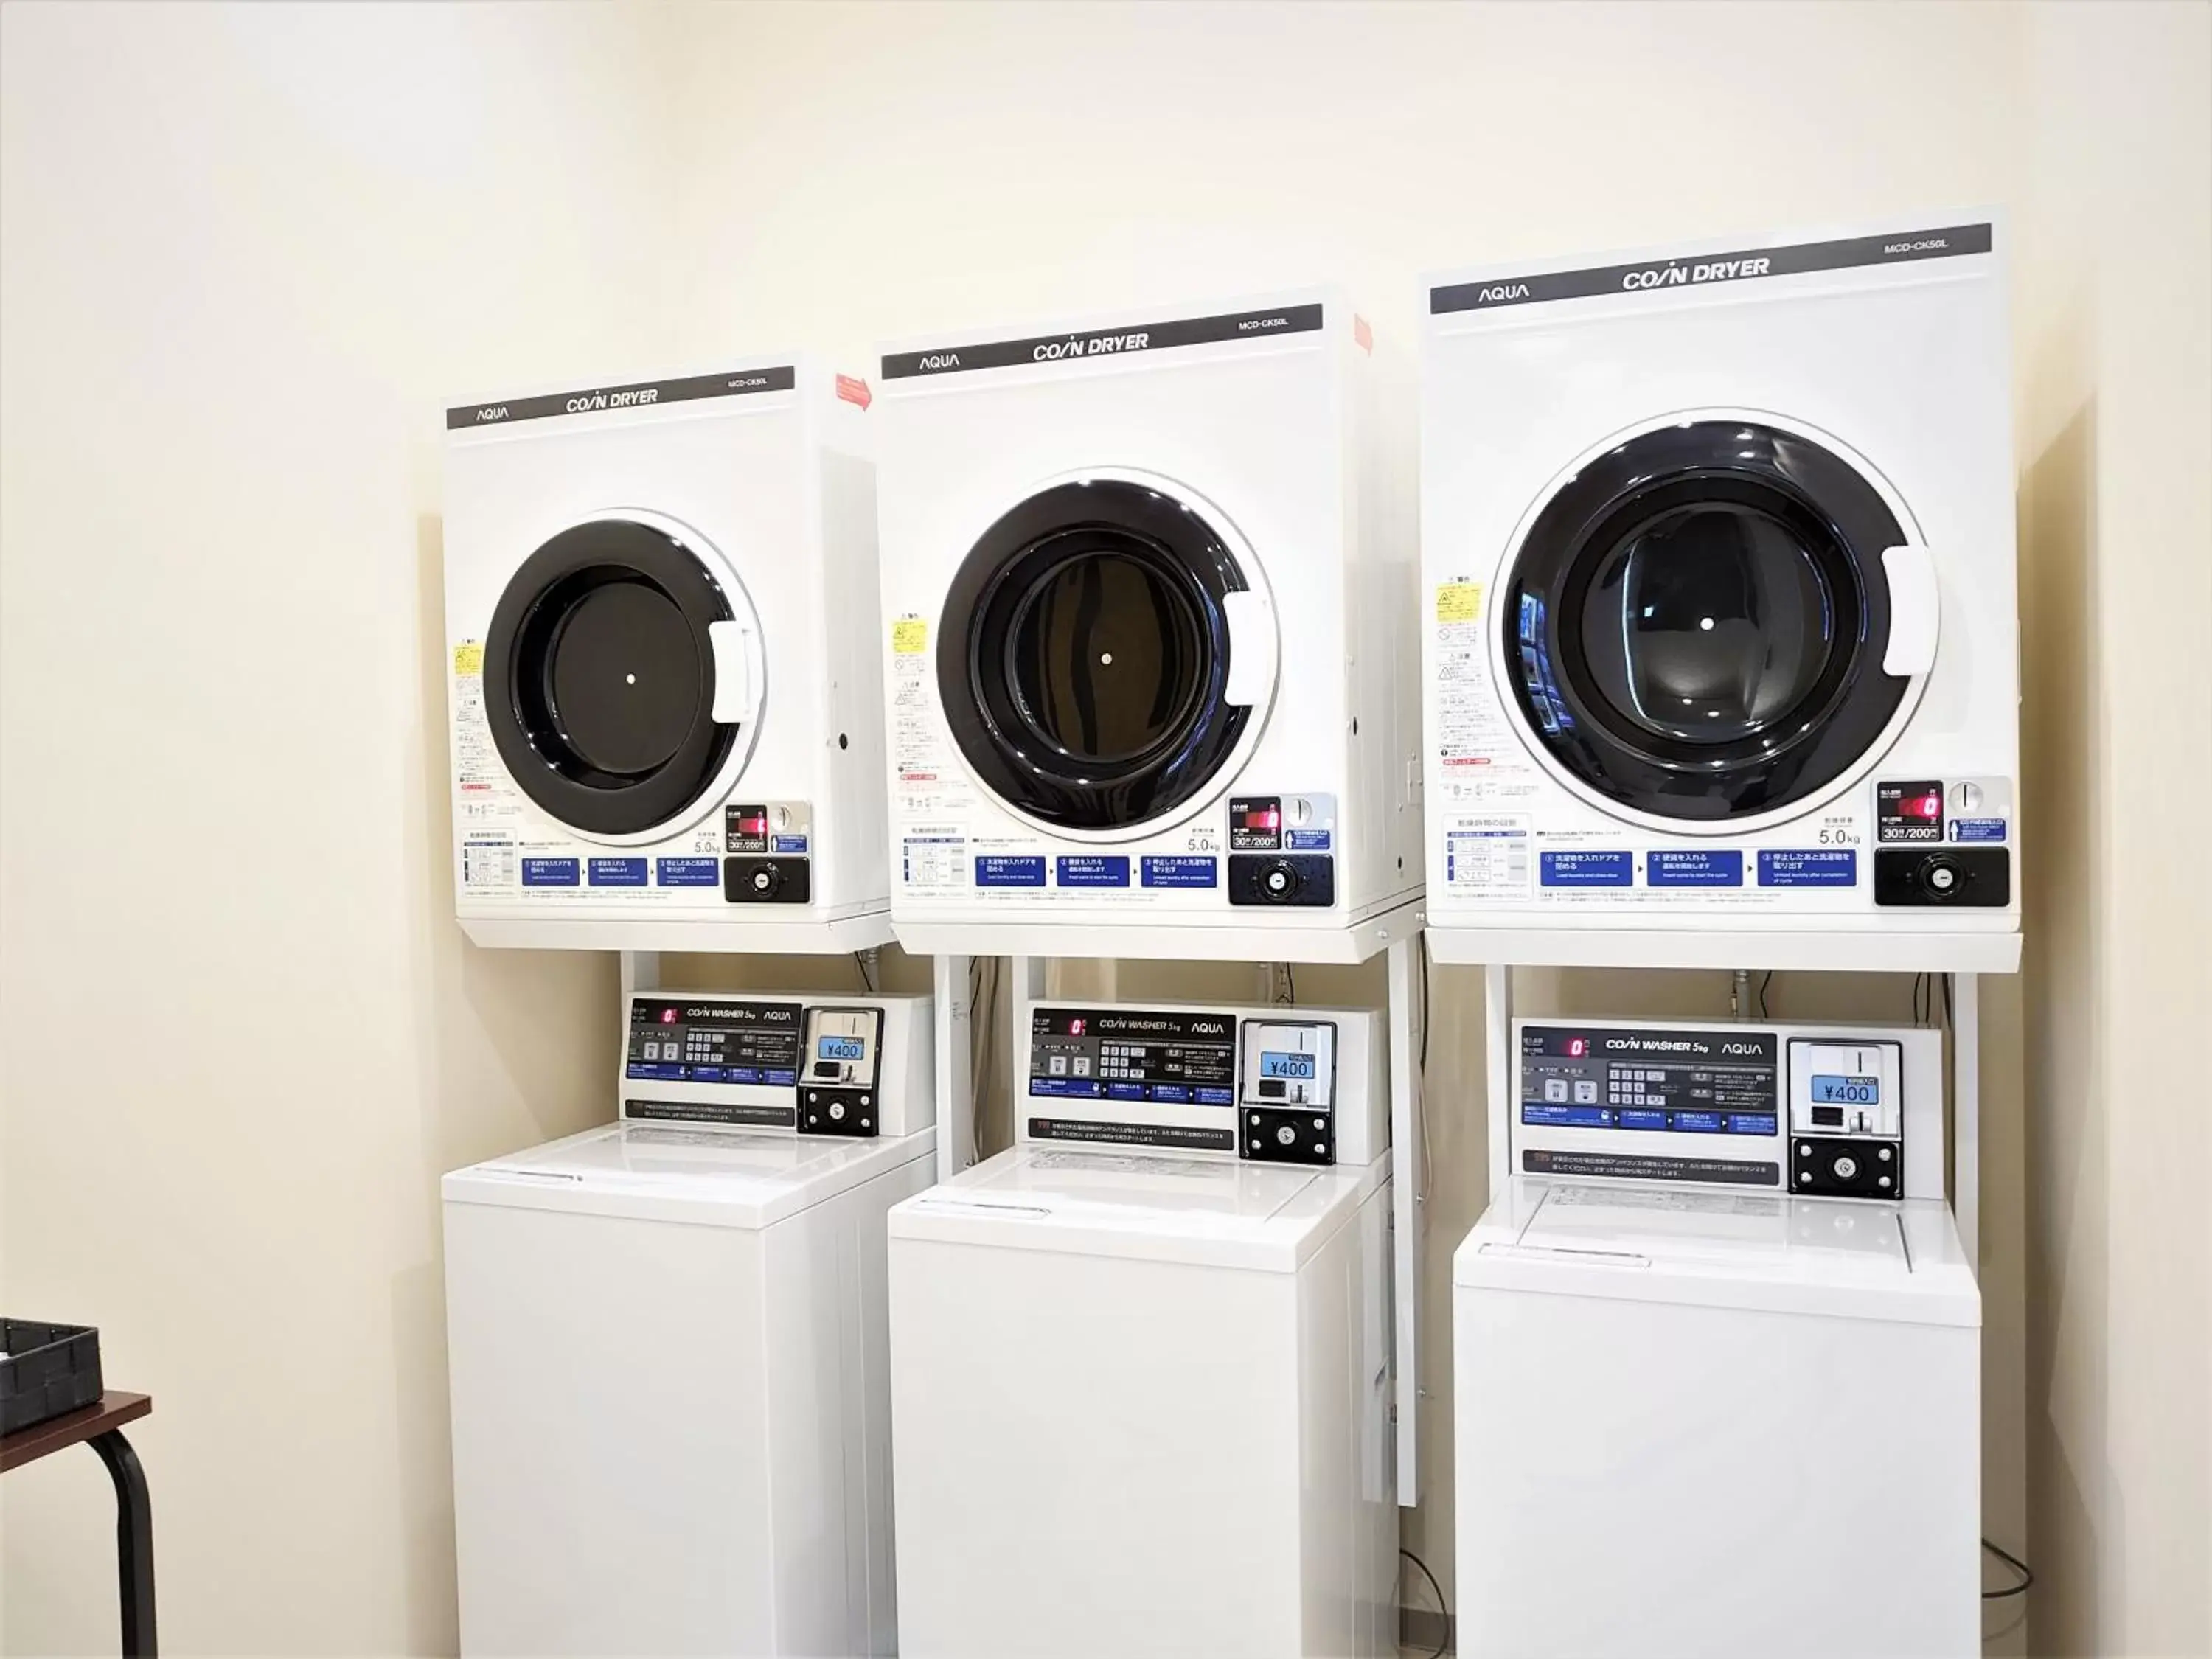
<point>1251,622</point>
<point>736,677</point>
<point>1914,611</point>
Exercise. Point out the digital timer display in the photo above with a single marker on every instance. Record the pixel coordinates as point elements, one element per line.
<point>1286,1065</point>
<point>1829,1089</point>
<point>839,1048</point>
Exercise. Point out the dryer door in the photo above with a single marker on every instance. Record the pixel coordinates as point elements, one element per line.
<point>1101,654</point>
<point>1698,622</point>
<point>623,678</point>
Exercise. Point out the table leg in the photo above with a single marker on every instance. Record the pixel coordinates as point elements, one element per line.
<point>134,1542</point>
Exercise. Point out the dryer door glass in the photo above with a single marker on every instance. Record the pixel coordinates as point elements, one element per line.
<point>599,677</point>
<point>1083,655</point>
<point>1697,622</point>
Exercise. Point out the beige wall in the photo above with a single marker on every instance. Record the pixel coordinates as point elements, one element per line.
<point>243,256</point>
<point>2116,506</point>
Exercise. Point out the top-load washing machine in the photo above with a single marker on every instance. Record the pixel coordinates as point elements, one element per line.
<point>665,707</point>
<point>1146,586</point>
<point>1719,622</point>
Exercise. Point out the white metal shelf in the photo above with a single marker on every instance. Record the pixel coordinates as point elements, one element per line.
<point>764,937</point>
<point>1796,950</point>
<point>1020,935</point>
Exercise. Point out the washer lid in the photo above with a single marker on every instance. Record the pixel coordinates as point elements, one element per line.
<point>661,1172</point>
<point>1749,1250</point>
<point>1713,622</point>
<point>1213,1211</point>
<point>1100,656</point>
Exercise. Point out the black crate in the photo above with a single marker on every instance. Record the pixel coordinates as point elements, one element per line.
<point>50,1370</point>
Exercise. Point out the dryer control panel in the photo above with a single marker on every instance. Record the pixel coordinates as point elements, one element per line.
<point>859,1066</point>
<point>1280,1084</point>
<point>1816,1110</point>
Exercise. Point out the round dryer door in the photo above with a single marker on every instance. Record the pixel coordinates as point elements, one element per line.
<point>621,677</point>
<point>1100,654</point>
<point>1697,622</point>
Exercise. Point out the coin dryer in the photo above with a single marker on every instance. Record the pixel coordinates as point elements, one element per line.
<point>1141,1359</point>
<point>1719,614</point>
<point>667,1346</point>
<point>666,693</point>
<point>1717,1352</point>
<point>1147,590</point>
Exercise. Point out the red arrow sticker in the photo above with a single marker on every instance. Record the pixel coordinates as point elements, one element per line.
<point>854,391</point>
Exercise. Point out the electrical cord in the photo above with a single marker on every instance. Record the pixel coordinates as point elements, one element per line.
<point>1763,984</point>
<point>1442,1607</point>
<point>1421,1069</point>
<point>861,966</point>
<point>2026,1573</point>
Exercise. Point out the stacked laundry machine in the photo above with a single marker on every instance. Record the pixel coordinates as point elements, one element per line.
<point>1722,671</point>
<point>1151,692</point>
<point>667,1335</point>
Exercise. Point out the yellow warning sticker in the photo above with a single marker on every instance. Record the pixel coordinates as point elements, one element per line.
<point>910,636</point>
<point>468,658</point>
<point>1459,602</point>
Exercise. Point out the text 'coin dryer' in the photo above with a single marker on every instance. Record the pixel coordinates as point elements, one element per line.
<point>1719,599</point>
<point>1140,1361</point>
<point>1146,590</point>
<point>667,1340</point>
<point>1717,1351</point>
<point>661,608</point>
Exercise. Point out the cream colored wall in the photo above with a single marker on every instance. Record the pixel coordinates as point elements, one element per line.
<point>210,220</point>
<point>245,257</point>
<point>2115,507</point>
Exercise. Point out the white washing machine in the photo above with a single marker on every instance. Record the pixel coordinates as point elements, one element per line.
<point>1717,1353</point>
<point>1141,1362</point>
<point>667,1346</point>
<point>1719,618</point>
<point>660,604</point>
<point>1146,588</point>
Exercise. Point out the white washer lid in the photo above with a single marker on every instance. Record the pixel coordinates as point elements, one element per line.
<point>1146,1206</point>
<point>682,1172</point>
<point>1766,1251</point>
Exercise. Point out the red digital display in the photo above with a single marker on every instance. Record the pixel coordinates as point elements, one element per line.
<point>1266,818</point>
<point>754,826</point>
<point>1921,807</point>
<point>668,1016</point>
<point>1577,1048</point>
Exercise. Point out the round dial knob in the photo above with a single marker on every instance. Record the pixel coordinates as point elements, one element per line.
<point>766,880</point>
<point>1286,1134</point>
<point>1942,877</point>
<point>1280,881</point>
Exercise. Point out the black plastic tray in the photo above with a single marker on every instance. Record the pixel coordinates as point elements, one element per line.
<point>49,1369</point>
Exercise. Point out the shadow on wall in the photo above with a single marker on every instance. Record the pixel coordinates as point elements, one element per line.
<point>517,1047</point>
<point>2060,711</point>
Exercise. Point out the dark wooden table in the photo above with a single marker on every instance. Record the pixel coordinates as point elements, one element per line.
<point>101,1427</point>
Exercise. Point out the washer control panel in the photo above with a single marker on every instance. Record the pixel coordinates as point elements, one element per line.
<point>1274,1085</point>
<point>1815,1110</point>
<point>859,1068</point>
